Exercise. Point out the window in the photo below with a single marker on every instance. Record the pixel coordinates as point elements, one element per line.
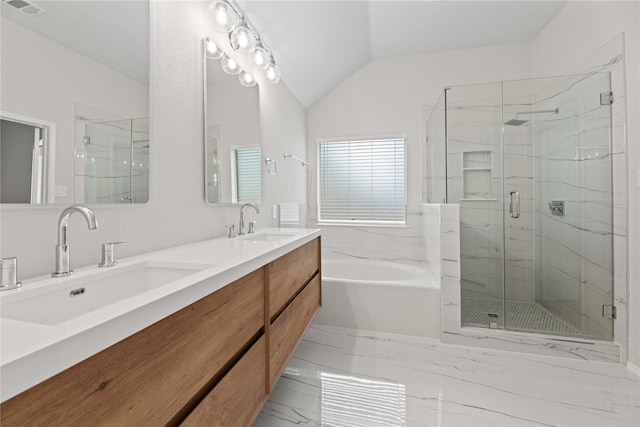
<point>247,168</point>
<point>362,181</point>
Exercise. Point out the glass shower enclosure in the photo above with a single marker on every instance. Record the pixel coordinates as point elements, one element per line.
<point>116,161</point>
<point>529,163</point>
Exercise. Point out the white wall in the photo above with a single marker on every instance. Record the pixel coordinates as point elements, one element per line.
<point>177,213</point>
<point>385,97</point>
<point>578,30</point>
<point>284,130</point>
<point>42,79</point>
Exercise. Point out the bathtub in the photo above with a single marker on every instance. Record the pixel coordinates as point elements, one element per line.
<point>380,296</point>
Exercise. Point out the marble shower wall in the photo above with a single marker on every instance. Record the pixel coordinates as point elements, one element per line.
<point>431,214</point>
<point>610,58</point>
<point>575,154</point>
<point>442,253</point>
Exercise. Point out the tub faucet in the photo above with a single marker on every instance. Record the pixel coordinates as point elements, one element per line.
<point>62,248</point>
<point>241,225</point>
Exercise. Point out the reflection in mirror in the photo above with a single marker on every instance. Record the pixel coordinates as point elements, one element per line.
<point>26,153</point>
<point>232,138</point>
<point>112,158</point>
<point>77,73</point>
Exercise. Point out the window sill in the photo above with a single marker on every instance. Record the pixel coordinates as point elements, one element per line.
<point>359,224</point>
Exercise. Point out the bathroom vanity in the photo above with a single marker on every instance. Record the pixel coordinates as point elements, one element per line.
<point>205,349</point>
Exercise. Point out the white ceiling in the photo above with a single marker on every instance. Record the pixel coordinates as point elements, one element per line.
<point>114,33</point>
<point>318,44</point>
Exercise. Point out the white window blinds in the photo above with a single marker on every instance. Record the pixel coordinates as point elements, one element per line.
<point>362,181</point>
<point>248,174</point>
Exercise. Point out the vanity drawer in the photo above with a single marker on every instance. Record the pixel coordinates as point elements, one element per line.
<point>289,327</point>
<point>289,273</point>
<point>238,398</point>
<point>151,377</point>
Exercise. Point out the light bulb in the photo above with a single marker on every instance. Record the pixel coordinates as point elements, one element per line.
<point>229,65</point>
<point>213,50</point>
<point>246,79</point>
<point>260,58</point>
<point>222,16</point>
<point>243,40</point>
<point>272,73</point>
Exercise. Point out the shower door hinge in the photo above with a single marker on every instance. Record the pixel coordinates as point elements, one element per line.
<point>609,311</point>
<point>606,98</point>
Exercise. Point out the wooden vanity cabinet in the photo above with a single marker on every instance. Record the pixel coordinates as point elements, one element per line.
<point>212,363</point>
<point>292,299</point>
<point>151,377</point>
<point>290,273</point>
<point>239,397</point>
<point>294,295</point>
<point>288,328</point>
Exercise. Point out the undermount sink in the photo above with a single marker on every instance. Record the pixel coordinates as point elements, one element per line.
<point>269,236</point>
<point>78,296</point>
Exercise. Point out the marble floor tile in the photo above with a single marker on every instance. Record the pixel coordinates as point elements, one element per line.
<point>343,378</point>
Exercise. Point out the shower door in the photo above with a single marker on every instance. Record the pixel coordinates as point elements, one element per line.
<point>529,163</point>
<point>558,212</point>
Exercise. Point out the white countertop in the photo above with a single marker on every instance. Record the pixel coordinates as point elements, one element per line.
<point>32,352</point>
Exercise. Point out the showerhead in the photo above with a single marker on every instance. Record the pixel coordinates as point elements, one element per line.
<point>519,122</point>
<point>515,122</point>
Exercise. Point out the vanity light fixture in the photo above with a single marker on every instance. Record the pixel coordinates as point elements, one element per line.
<point>260,57</point>
<point>242,39</point>
<point>229,65</point>
<point>246,79</point>
<point>213,50</point>
<point>272,72</point>
<point>222,16</point>
<point>226,17</point>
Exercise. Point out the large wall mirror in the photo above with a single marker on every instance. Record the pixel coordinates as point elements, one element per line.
<point>232,137</point>
<point>74,116</point>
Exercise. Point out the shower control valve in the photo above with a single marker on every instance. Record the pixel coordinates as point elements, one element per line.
<point>557,207</point>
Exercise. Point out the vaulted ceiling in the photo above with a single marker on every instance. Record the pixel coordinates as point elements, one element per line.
<point>88,28</point>
<point>318,43</point>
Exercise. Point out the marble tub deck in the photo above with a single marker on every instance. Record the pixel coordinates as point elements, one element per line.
<point>343,378</point>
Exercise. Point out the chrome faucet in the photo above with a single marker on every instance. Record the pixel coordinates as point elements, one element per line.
<point>241,226</point>
<point>62,248</point>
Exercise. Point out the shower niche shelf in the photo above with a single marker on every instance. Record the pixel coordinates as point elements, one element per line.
<point>476,176</point>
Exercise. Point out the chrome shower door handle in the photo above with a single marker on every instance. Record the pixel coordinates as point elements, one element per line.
<point>514,196</point>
